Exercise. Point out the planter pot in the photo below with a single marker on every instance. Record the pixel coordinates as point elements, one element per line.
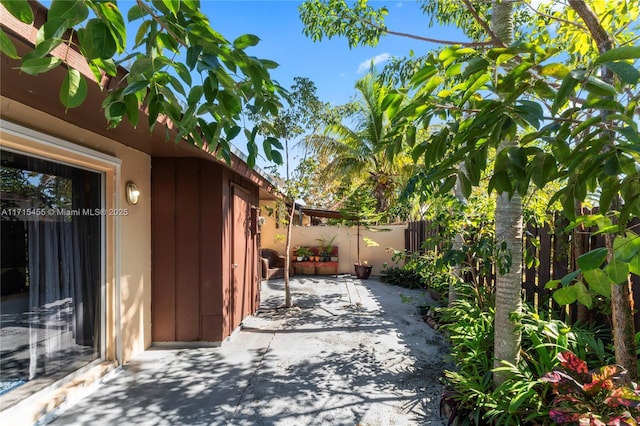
<point>334,258</point>
<point>434,294</point>
<point>300,258</point>
<point>362,271</point>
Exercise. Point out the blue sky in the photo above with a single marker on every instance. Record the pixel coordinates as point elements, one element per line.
<point>330,64</point>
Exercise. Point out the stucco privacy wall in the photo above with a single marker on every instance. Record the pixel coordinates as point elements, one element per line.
<point>128,237</point>
<point>388,238</point>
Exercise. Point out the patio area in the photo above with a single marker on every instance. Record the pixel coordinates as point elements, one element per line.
<point>351,353</point>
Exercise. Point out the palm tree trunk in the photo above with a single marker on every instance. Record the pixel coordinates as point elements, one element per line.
<point>508,286</point>
<point>458,241</point>
<point>509,232</point>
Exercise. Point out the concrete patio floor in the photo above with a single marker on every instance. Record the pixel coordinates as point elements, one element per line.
<point>353,354</point>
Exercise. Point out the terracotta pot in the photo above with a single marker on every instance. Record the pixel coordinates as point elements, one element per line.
<point>362,271</point>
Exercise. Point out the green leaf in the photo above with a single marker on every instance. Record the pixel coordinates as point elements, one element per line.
<point>230,103</point>
<point>566,89</point>
<point>7,47</point>
<point>473,66</point>
<point>245,41</point>
<point>598,87</point>
<point>582,295</point>
<point>20,9</point>
<point>626,248</point>
<point>133,109</point>
<point>195,94</point>
<point>107,65</point>
<point>276,156</point>
<point>72,12</point>
<point>135,13</point>
<point>210,87</point>
<point>565,295</point>
<point>567,279</point>
<point>543,169</point>
<point>172,5</point>
<point>141,34</point>
<point>115,112</point>
<point>39,65</point>
<point>557,70</point>
<point>619,54</point>
<point>617,271</point>
<point>422,75</point>
<point>110,14</point>
<point>233,132</point>
<point>134,87</point>
<point>51,31</point>
<point>598,281</point>
<point>477,85</point>
<point>193,53</point>
<point>183,72</point>
<point>553,284</point>
<point>175,83</point>
<point>73,91</point>
<point>448,184</point>
<point>96,40</point>
<point>585,125</point>
<point>391,103</point>
<point>269,64</point>
<point>626,72</point>
<point>604,104</point>
<point>275,143</point>
<point>592,259</point>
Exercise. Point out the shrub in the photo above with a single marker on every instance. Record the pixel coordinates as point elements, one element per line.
<point>402,277</point>
<point>469,396</point>
<point>602,396</point>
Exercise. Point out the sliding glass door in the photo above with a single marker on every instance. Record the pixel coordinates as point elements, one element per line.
<point>52,270</point>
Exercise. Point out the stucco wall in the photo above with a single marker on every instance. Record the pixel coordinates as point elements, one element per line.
<point>128,235</point>
<point>388,238</point>
<point>135,246</point>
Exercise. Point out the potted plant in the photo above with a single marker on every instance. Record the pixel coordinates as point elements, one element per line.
<point>326,248</point>
<point>361,208</point>
<point>303,253</point>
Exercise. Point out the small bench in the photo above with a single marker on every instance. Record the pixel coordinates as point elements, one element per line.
<point>315,266</point>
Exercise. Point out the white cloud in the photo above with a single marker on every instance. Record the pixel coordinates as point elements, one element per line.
<point>378,59</point>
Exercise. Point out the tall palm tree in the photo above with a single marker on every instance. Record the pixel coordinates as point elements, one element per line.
<point>508,221</point>
<point>356,146</point>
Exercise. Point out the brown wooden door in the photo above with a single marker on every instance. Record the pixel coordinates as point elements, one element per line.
<point>241,255</point>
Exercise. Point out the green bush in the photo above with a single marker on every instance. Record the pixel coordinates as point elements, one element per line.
<point>469,396</point>
<point>601,396</point>
<point>402,277</point>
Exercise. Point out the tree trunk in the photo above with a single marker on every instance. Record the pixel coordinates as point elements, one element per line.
<point>579,250</point>
<point>624,328</point>
<point>621,294</point>
<point>458,240</point>
<point>287,256</point>
<point>508,230</point>
<point>508,286</point>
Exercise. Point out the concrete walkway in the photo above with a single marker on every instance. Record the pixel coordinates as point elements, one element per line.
<point>353,354</point>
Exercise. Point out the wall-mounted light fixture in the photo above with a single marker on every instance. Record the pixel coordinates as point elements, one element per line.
<point>133,194</point>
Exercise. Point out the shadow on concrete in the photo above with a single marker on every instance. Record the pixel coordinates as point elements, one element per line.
<point>352,353</point>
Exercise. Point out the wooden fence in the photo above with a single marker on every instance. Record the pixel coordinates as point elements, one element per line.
<point>554,256</point>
